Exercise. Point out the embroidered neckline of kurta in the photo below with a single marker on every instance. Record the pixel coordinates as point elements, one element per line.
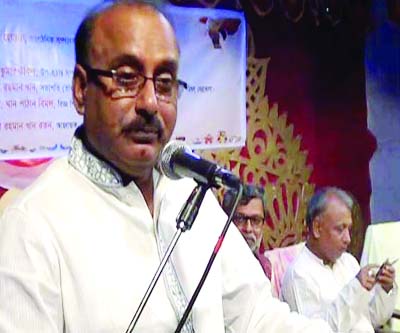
<point>107,178</point>
<point>102,173</point>
<point>98,171</point>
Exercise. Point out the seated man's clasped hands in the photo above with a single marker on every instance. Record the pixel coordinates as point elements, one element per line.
<point>372,274</point>
<point>327,282</point>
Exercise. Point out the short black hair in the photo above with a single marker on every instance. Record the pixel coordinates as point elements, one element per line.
<point>319,201</point>
<point>249,192</point>
<point>85,29</point>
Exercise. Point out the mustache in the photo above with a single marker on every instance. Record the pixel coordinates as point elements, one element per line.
<point>152,124</point>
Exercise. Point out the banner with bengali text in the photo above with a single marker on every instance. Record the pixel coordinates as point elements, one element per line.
<point>37,116</point>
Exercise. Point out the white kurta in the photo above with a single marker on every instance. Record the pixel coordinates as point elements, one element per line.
<point>319,291</point>
<point>78,250</point>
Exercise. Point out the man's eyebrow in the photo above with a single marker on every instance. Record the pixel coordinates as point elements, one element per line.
<point>126,59</point>
<point>168,65</point>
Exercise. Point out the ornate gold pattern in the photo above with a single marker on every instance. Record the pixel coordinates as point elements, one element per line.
<point>272,159</point>
<point>357,230</point>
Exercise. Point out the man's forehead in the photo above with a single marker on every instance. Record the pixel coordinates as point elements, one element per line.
<point>120,15</point>
<point>134,13</point>
<point>335,203</point>
<point>253,203</point>
<point>127,29</point>
<point>337,211</point>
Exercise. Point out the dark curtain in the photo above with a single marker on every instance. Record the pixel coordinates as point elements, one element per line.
<point>316,75</point>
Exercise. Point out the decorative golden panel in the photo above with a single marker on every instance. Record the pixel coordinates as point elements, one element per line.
<point>272,159</point>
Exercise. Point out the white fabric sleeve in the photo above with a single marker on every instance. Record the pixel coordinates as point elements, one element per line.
<point>382,305</point>
<point>247,299</point>
<point>342,313</point>
<point>30,299</point>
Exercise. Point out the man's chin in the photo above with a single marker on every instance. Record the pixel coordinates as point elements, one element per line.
<point>135,158</point>
<point>252,244</point>
<point>335,258</point>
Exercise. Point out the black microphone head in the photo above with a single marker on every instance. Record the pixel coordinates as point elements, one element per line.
<point>165,164</point>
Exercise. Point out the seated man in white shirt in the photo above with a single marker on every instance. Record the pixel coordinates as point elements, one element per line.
<point>326,282</point>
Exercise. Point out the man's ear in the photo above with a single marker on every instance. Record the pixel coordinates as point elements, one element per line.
<point>79,87</point>
<point>316,227</point>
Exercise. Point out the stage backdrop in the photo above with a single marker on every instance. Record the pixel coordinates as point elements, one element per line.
<point>37,116</point>
<point>310,129</point>
<point>382,60</point>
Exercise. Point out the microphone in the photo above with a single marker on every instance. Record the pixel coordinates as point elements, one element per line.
<point>177,160</point>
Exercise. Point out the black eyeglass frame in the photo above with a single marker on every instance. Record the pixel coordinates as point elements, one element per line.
<point>112,73</point>
<point>255,221</point>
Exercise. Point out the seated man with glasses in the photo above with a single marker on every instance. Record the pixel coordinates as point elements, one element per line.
<point>249,218</point>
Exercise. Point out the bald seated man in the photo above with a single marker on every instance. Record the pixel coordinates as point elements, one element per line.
<point>79,247</point>
<point>327,282</point>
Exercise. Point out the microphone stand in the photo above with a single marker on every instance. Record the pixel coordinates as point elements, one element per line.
<point>210,262</point>
<point>184,221</point>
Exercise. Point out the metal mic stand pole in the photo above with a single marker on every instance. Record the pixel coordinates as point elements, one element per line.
<point>210,262</point>
<point>184,222</point>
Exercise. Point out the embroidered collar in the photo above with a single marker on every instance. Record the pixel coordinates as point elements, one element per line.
<point>98,171</point>
<point>101,173</point>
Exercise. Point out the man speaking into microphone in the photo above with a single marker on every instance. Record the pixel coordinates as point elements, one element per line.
<point>80,246</point>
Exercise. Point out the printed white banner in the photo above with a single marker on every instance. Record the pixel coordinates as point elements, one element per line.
<point>37,117</point>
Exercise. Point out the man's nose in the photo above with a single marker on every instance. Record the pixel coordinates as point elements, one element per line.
<point>347,237</point>
<point>147,99</point>
<point>248,226</point>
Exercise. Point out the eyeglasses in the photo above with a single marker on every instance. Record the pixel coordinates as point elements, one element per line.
<point>240,219</point>
<point>127,82</point>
